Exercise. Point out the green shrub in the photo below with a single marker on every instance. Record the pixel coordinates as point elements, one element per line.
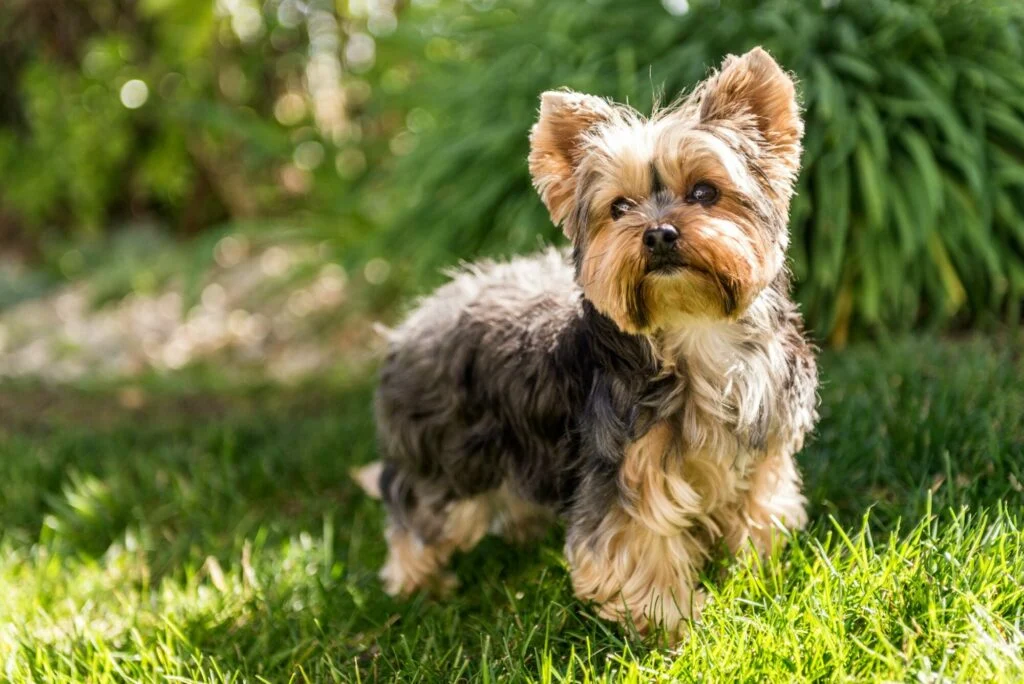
<point>911,202</point>
<point>223,122</point>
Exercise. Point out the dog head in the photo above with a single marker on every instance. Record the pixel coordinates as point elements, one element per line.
<point>680,214</point>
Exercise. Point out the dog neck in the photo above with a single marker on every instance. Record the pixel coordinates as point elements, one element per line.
<point>732,370</point>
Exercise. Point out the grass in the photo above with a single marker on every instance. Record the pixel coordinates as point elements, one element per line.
<point>215,537</point>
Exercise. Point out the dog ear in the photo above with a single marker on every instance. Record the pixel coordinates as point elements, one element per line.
<point>555,146</point>
<point>754,90</point>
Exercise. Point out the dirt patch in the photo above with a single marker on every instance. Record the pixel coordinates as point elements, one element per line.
<point>283,309</point>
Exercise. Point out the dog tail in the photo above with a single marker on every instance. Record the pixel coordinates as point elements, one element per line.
<point>368,477</point>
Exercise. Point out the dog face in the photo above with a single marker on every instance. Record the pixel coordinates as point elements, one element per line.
<point>681,214</point>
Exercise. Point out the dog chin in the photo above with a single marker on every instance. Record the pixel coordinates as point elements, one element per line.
<point>676,294</point>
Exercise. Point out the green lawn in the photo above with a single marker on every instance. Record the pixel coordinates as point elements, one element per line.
<point>214,536</point>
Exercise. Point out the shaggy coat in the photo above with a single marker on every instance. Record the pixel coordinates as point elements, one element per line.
<point>653,399</point>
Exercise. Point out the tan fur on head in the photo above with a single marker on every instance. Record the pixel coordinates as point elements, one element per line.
<point>739,131</point>
<point>556,145</point>
<point>755,85</point>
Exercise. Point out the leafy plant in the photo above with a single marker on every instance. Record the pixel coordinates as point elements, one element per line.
<point>186,112</point>
<point>911,202</point>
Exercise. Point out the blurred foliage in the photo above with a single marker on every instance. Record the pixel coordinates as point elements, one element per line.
<point>400,129</point>
<point>185,111</point>
<point>911,203</point>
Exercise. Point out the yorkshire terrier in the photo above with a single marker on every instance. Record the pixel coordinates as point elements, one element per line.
<point>650,389</point>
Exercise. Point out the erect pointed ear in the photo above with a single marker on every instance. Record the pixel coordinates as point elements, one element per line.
<point>555,146</point>
<point>754,85</point>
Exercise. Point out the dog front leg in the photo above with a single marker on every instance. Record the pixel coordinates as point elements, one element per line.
<point>772,506</point>
<point>636,575</point>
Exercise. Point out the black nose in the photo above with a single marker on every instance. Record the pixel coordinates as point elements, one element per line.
<point>660,239</point>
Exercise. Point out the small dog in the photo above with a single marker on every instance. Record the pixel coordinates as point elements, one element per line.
<point>650,389</point>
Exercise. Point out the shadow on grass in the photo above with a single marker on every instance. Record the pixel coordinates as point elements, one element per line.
<point>914,420</point>
<point>80,469</point>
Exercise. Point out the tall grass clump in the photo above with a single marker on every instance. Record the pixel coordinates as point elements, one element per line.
<point>911,203</point>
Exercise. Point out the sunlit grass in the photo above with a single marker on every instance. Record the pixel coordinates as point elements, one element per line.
<point>216,537</point>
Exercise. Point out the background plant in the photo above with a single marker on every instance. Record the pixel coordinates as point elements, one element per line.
<point>185,112</point>
<point>398,130</point>
<point>911,203</point>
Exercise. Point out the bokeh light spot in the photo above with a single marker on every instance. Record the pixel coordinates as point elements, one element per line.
<point>308,155</point>
<point>230,251</point>
<point>275,261</point>
<point>382,24</point>
<point>350,162</point>
<point>290,109</point>
<point>360,52</point>
<point>376,271</point>
<point>402,144</point>
<point>134,93</point>
<point>676,7</point>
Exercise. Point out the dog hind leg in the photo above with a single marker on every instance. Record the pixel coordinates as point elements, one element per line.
<point>415,563</point>
<point>426,525</point>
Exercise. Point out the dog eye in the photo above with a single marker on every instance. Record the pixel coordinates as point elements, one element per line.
<point>703,193</point>
<point>620,207</point>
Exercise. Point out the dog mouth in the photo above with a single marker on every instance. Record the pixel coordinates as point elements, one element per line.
<point>665,263</point>
<point>670,264</point>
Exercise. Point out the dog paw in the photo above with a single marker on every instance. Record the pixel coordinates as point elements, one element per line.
<point>399,584</point>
